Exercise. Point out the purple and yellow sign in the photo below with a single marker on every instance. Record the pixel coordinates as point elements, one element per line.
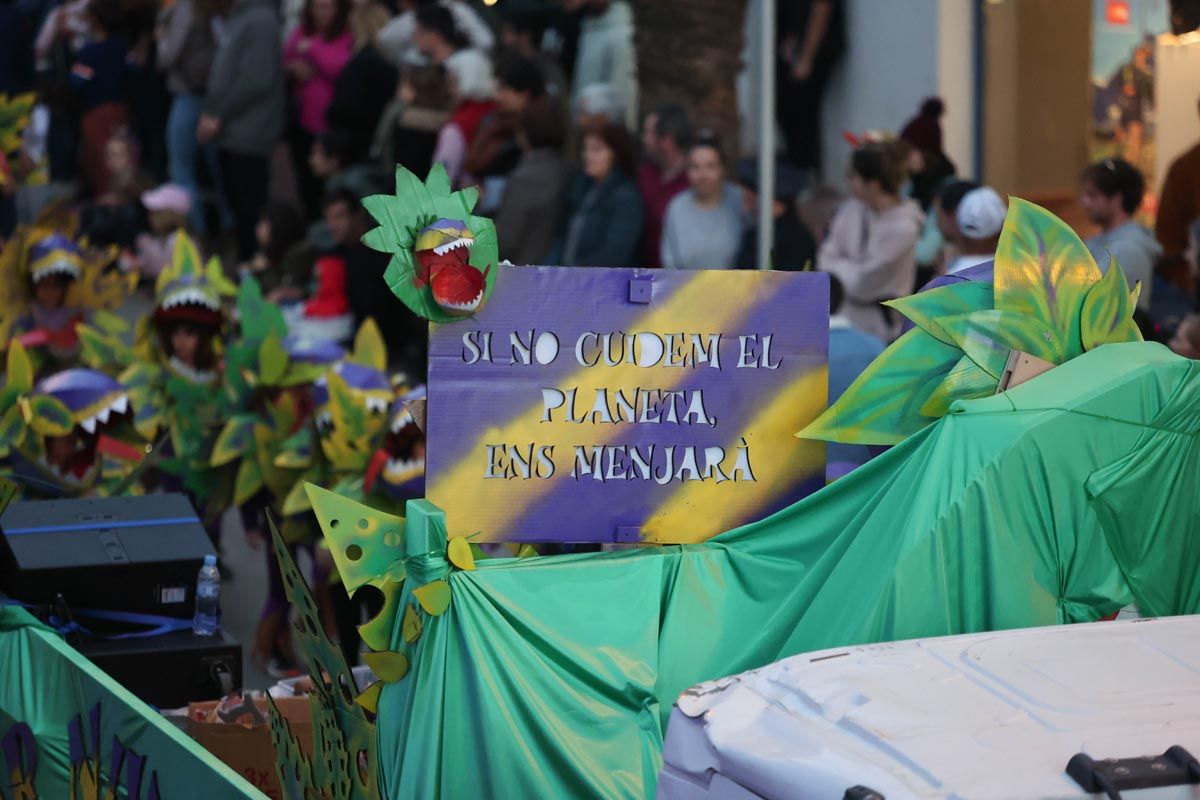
<point>601,405</point>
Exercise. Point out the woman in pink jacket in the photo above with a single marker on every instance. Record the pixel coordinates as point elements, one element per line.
<point>314,56</point>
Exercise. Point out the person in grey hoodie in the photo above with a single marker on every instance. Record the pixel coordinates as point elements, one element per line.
<point>872,242</point>
<point>1111,193</point>
<point>244,110</point>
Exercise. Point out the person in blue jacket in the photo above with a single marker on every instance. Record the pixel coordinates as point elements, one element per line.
<point>604,208</point>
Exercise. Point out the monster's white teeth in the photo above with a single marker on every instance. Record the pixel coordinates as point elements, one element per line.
<point>121,404</point>
<point>402,421</point>
<point>454,245</point>
<point>469,306</point>
<point>400,466</point>
<point>190,297</point>
<point>89,424</point>
<point>377,405</point>
<point>57,268</point>
<point>118,406</point>
<point>325,419</point>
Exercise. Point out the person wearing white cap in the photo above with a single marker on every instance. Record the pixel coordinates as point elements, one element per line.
<point>980,217</point>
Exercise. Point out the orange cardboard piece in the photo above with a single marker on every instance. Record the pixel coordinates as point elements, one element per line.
<point>249,751</point>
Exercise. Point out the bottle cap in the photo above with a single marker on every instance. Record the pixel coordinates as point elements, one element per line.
<point>210,561</point>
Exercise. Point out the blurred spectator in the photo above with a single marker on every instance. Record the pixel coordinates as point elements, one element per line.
<point>666,136</point>
<point>167,208</point>
<point>66,24</point>
<point>930,170</point>
<point>811,40</point>
<point>98,78</point>
<point>283,262</point>
<point>16,52</point>
<point>850,353</point>
<point>116,217</point>
<point>186,48</point>
<point>598,104</point>
<point>604,208</point>
<point>605,52</point>
<point>435,34</point>
<point>495,150</point>
<point>365,86</point>
<point>244,110</point>
<point>331,161</point>
<point>946,210</point>
<point>408,132</point>
<point>471,90</point>
<point>314,57</point>
<point>792,245</point>
<point>979,219</point>
<point>703,226</point>
<point>1178,206</point>
<point>531,210</point>
<point>1111,194</point>
<point>397,40</point>
<point>521,32</point>
<point>1186,341</point>
<point>873,238</point>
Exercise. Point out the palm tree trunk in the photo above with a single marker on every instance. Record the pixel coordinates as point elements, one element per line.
<point>690,52</point>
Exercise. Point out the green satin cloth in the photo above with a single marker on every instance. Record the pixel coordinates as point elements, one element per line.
<point>1059,501</point>
<point>45,684</point>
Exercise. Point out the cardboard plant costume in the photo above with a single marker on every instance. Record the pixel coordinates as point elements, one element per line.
<point>443,258</point>
<point>14,116</point>
<point>50,284</point>
<point>51,432</point>
<point>1060,500</point>
<point>398,466</point>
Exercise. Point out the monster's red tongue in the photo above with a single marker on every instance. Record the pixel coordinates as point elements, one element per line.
<point>457,284</point>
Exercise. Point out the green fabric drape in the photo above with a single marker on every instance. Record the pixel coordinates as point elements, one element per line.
<point>45,684</point>
<point>554,677</point>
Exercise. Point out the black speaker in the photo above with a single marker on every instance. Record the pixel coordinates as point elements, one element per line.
<point>137,554</point>
<point>171,670</point>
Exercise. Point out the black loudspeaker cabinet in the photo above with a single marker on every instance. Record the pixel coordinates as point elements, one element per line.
<point>171,670</point>
<point>138,554</point>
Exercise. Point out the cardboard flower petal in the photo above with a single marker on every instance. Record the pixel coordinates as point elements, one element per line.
<point>1048,299</point>
<point>443,257</point>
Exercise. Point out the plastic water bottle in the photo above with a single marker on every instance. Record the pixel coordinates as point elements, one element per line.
<point>208,599</point>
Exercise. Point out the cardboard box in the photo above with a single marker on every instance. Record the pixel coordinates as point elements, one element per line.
<point>248,751</point>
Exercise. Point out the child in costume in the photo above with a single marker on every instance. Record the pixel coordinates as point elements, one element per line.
<point>167,208</point>
<point>66,436</point>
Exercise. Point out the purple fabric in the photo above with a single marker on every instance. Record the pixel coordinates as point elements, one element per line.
<point>78,388</point>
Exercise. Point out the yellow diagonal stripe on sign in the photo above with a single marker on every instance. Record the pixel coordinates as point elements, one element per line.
<point>490,507</point>
<point>776,456</point>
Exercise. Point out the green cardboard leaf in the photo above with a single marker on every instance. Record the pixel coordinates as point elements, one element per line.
<point>49,416</point>
<point>883,405</point>
<point>369,699</point>
<point>234,441</point>
<point>248,482</point>
<point>19,378</point>
<point>924,308</point>
<point>389,667</point>
<point>1108,311</point>
<point>459,553</point>
<point>1043,271</point>
<point>434,597</point>
<point>410,628</point>
<point>377,632</point>
<point>369,349</point>
<point>967,381</point>
<point>272,361</point>
<point>988,337</point>
<point>366,544</point>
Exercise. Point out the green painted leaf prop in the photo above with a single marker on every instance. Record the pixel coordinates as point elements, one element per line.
<point>1108,310</point>
<point>367,545</point>
<point>987,338</point>
<point>434,597</point>
<point>248,481</point>
<point>883,406</point>
<point>108,322</point>
<point>389,667</point>
<point>369,699</point>
<point>296,501</point>
<point>19,378</point>
<point>411,626</point>
<point>402,216</point>
<point>1043,270</point>
<point>344,763</point>
<point>12,427</point>
<point>234,441</point>
<point>966,381</point>
<point>272,361</point>
<point>47,415</point>
<point>459,553</point>
<point>376,632</point>
<point>369,349</point>
<point>923,308</point>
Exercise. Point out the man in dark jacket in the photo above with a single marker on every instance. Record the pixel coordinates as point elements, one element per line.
<point>244,110</point>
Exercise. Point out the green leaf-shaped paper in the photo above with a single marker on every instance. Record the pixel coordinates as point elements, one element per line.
<point>272,361</point>
<point>49,416</point>
<point>403,215</point>
<point>967,381</point>
<point>369,349</point>
<point>366,544</point>
<point>19,378</point>
<point>1108,311</point>
<point>388,666</point>
<point>377,632</point>
<point>924,308</point>
<point>987,337</point>
<point>434,597</point>
<point>12,428</point>
<point>248,481</point>
<point>234,441</point>
<point>1044,271</point>
<point>410,627</point>
<point>883,405</point>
